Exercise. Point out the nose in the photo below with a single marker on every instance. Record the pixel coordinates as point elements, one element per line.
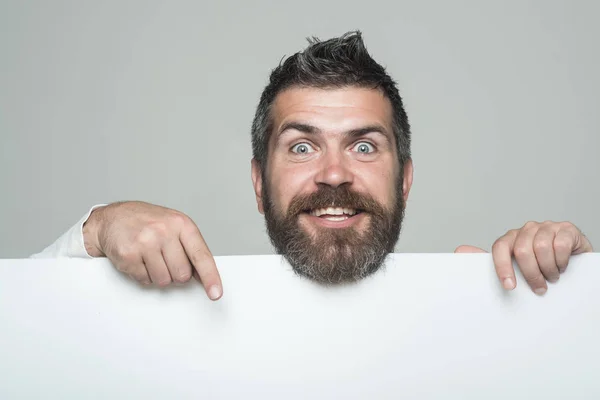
<point>334,170</point>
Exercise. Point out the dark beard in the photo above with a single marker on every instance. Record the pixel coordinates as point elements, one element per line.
<point>334,255</point>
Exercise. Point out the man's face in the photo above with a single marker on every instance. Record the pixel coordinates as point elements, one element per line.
<point>333,193</point>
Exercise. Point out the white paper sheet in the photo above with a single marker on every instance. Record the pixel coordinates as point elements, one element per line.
<point>429,326</point>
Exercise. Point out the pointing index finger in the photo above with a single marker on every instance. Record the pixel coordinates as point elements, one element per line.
<point>502,255</point>
<point>202,260</point>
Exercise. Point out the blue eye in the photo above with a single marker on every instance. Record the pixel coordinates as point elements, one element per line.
<point>364,148</point>
<point>302,148</point>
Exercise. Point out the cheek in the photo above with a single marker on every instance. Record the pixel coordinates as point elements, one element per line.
<point>287,183</point>
<point>381,184</point>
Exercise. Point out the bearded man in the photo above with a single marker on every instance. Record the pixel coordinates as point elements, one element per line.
<point>331,170</point>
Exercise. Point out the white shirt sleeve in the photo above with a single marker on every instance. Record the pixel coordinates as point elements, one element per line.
<point>70,244</point>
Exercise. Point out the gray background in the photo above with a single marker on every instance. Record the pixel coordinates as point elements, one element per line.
<point>150,100</point>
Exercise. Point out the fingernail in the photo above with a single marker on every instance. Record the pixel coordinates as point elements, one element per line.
<point>508,284</point>
<point>540,291</point>
<point>214,292</point>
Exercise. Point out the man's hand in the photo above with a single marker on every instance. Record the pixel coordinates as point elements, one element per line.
<point>541,250</point>
<point>152,244</point>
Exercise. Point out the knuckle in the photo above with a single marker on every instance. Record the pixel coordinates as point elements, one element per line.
<point>146,237</point>
<point>150,235</point>
<point>197,255</point>
<point>502,244</point>
<point>521,251</point>
<point>567,226</point>
<point>157,231</point>
<point>159,228</point>
<point>184,277</point>
<point>562,244</point>
<point>163,282</point>
<point>534,280</point>
<point>189,227</point>
<point>142,278</point>
<point>530,225</point>
<point>542,246</point>
<point>499,246</point>
<point>126,254</point>
<point>177,219</point>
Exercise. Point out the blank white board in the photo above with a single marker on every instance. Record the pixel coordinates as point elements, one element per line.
<point>428,326</point>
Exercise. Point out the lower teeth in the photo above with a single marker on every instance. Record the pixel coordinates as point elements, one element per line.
<point>336,218</point>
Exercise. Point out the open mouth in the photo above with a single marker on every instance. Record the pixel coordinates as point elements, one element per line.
<point>334,213</point>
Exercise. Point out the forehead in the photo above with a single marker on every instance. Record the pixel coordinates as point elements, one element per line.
<point>338,108</point>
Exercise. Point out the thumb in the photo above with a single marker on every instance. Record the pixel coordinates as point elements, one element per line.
<point>469,249</point>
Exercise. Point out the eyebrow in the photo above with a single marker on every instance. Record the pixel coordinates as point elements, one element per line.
<point>313,130</point>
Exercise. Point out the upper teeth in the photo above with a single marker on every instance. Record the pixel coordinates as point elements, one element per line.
<point>333,211</point>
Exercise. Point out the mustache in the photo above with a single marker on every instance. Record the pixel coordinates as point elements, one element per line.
<point>341,196</point>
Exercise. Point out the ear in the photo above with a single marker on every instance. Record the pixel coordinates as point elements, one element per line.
<point>407,179</point>
<point>257,183</point>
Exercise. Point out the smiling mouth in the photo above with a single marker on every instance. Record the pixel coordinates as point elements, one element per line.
<point>334,213</point>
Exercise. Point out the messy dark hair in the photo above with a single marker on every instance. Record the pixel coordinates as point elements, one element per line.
<point>334,63</point>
